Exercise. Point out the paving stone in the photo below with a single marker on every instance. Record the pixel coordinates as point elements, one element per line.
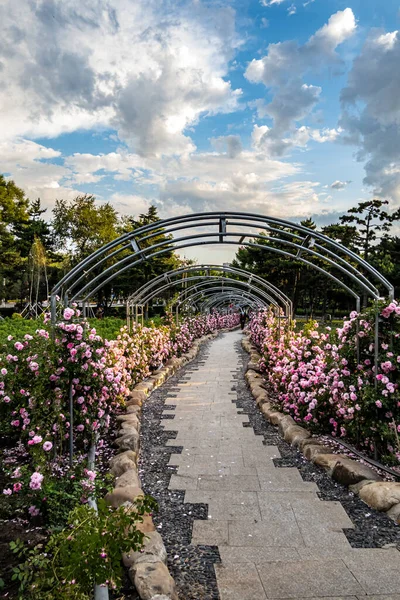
<point>284,480</point>
<point>282,531</point>
<point>377,570</point>
<point>227,506</point>
<point>180,482</point>
<point>211,533</point>
<point>239,582</point>
<point>256,555</point>
<point>308,579</point>
<point>229,482</point>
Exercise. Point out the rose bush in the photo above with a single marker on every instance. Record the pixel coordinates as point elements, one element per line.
<point>317,379</point>
<point>41,373</point>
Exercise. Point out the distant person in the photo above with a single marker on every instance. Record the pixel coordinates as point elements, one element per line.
<point>242,316</point>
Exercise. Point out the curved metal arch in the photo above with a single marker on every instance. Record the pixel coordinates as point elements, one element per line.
<point>250,244</point>
<point>218,300</point>
<point>208,278</point>
<point>204,286</point>
<point>122,267</point>
<point>202,291</point>
<point>139,296</point>
<point>301,239</point>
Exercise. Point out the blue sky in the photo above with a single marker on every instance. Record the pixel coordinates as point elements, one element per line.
<point>285,107</point>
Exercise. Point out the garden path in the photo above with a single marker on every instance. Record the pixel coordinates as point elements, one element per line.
<point>276,538</point>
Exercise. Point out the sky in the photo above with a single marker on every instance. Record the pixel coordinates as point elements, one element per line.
<point>289,108</point>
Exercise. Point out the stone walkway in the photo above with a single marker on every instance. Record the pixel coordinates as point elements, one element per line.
<point>276,538</point>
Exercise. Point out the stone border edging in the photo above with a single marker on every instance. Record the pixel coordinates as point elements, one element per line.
<point>147,568</point>
<point>381,495</point>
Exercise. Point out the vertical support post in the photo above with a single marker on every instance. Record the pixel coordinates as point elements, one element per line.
<point>222,229</point>
<point>53,309</point>
<point>177,315</point>
<point>376,347</point>
<point>71,424</point>
<point>128,324</point>
<point>358,308</point>
<point>279,322</point>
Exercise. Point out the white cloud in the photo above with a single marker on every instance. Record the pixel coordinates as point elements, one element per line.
<point>146,72</point>
<point>339,185</point>
<point>265,138</point>
<point>232,144</point>
<point>288,58</point>
<point>129,204</point>
<point>371,112</point>
<point>339,28</point>
<point>267,3</point>
<point>292,10</point>
<point>283,68</point>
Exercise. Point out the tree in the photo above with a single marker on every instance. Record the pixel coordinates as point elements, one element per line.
<point>347,235</point>
<point>81,226</point>
<point>370,219</point>
<point>33,228</point>
<point>13,210</point>
<point>142,273</point>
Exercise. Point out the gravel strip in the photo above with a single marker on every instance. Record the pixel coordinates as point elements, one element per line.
<point>373,529</point>
<point>190,566</point>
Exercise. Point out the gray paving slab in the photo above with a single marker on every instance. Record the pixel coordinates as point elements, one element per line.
<point>377,570</point>
<point>256,554</point>
<point>239,582</point>
<point>308,579</point>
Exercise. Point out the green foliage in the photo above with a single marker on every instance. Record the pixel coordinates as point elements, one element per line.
<point>85,553</point>
<point>17,326</point>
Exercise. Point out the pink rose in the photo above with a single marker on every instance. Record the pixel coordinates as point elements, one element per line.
<point>68,314</point>
<point>36,481</point>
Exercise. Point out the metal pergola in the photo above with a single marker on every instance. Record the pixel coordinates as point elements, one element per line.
<point>179,277</point>
<point>285,238</point>
<point>292,240</point>
<point>192,296</point>
<point>206,299</point>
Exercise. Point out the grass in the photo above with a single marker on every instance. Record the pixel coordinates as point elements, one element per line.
<point>108,327</point>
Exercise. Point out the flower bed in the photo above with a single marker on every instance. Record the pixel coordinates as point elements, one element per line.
<point>72,383</point>
<point>316,378</point>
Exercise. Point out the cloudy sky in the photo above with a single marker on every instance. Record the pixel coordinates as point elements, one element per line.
<point>284,107</point>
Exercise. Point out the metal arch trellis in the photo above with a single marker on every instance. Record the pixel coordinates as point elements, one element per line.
<point>226,291</point>
<point>217,301</point>
<point>204,286</point>
<point>179,276</point>
<point>141,244</point>
<point>191,296</point>
<point>156,293</point>
<point>136,309</point>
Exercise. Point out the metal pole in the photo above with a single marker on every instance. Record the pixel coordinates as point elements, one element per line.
<point>376,347</point>
<point>100,591</point>
<point>53,309</point>
<point>358,308</point>
<point>71,424</point>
